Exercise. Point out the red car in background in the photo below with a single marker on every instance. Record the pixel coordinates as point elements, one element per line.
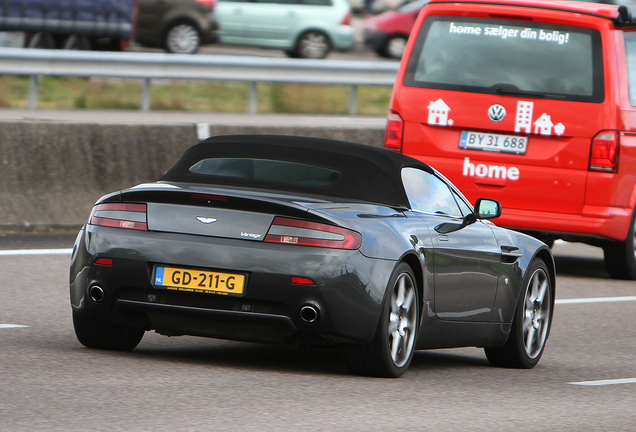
<point>388,32</point>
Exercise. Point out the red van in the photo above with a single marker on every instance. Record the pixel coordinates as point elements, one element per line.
<point>532,103</point>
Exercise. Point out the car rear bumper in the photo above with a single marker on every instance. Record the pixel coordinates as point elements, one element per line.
<point>212,34</point>
<point>374,39</point>
<point>343,38</point>
<point>347,294</point>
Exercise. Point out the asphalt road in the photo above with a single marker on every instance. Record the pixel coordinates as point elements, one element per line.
<point>48,381</point>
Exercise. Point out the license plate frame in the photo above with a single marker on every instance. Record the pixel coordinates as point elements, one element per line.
<point>199,280</point>
<point>499,143</point>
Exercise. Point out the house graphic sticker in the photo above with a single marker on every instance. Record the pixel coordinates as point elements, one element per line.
<point>543,125</point>
<point>438,113</point>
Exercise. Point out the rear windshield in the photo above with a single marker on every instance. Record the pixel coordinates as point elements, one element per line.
<point>268,170</point>
<point>296,165</point>
<point>507,57</point>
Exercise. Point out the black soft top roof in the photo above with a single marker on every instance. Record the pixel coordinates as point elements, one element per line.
<point>366,173</point>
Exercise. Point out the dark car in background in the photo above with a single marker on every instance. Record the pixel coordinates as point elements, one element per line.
<point>388,32</point>
<point>68,24</point>
<point>178,26</point>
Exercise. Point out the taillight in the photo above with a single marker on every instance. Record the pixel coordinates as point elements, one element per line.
<point>347,19</point>
<point>306,233</point>
<point>296,280</point>
<point>394,132</point>
<point>130,216</point>
<point>209,197</point>
<point>207,3</point>
<point>605,150</point>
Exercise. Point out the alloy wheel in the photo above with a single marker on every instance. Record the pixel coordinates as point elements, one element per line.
<point>313,45</point>
<point>395,47</point>
<point>537,310</point>
<point>183,39</point>
<point>402,320</point>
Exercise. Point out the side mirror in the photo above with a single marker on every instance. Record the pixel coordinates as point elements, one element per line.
<point>487,208</point>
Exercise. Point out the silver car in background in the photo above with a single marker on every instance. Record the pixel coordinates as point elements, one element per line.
<point>301,28</point>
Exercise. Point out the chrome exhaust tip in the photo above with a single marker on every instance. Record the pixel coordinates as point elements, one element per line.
<point>309,314</point>
<point>96,293</point>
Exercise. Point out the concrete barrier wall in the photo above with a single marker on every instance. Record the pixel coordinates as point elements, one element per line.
<point>51,173</point>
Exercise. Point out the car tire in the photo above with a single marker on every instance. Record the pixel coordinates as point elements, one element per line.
<point>531,324</point>
<point>390,352</point>
<point>393,47</point>
<point>101,334</point>
<point>182,38</point>
<point>41,40</point>
<point>77,42</point>
<point>313,44</point>
<point>620,257</point>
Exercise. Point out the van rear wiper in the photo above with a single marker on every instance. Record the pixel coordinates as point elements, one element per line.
<point>513,90</point>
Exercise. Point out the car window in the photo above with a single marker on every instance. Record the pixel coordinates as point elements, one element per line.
<point>412,6</point>
<point>507,57</point>
<point>276,1</point>
<point>316,2</point>
<point>262,169</point>
<point>630,54</point>
<point>428,193</point>
<point>462,205</point>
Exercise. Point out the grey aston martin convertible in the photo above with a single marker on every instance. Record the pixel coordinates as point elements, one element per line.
<point>310,241</point>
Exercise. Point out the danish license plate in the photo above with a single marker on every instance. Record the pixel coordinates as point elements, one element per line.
<point>493,142</point>
<point>199,281</point>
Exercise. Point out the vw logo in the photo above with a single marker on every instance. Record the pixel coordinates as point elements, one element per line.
<point>206,220</point>
<point>496,113</point>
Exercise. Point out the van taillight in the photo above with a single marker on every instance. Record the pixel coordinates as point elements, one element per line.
<point>347,19</point>
<point>305,233</point>
<point>129,216</point>
<point>394,132</point>
<point>605,150</point>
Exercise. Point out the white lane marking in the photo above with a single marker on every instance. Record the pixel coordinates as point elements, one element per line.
<point>18,252</point>
<point>606,382</point>
<point>595,300</point>
<point>11,326</point>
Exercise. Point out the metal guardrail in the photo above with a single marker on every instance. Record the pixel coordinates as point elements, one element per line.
<point>151,66</point>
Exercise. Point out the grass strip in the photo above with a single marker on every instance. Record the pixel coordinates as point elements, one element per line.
<point>204,96</point>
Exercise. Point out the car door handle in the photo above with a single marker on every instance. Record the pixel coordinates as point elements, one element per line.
<point>442,237</point>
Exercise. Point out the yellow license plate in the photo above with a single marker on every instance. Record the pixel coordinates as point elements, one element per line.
<point>199,281</point>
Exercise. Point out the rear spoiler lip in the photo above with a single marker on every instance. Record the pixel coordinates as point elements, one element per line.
<point>626,13</point>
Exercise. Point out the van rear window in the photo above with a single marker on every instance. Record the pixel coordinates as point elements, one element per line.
<point>507,57</point>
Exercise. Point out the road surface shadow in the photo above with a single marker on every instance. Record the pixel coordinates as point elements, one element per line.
<point>446,359</point>
<point>580,266</point>
<point>321,360</point>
